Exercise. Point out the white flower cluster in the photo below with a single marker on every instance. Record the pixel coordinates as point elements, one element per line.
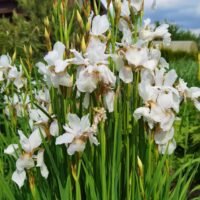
<point>159,89</point>
<point>93,73</point>
<point>78,131</point>
<point>30,150</point>
<point>11,74</point>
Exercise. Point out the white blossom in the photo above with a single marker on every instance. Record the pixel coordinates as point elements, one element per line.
<point>26,159</point>
<point>77,131</point>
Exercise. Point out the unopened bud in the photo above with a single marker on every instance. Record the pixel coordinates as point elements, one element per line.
<point>14,55</point>
<point>79,19</point>
<point>74,174</point>
<point>46,21</point>
<point>88,26</point>
<point>25,50</point>
<point>61,7</point>
<point>30,50</point>
<point>140,166</point>
<point>83,45</point>
<point>47,38</point>
<point>88,9</point>
<point>46,34</point>
<point>117,6</point>
<point>109,35</point>
<point>78,40</point>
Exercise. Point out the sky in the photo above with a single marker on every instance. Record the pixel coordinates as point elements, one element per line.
<point>185,13</point>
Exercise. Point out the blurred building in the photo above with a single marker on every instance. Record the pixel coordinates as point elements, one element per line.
<point>7,6</point>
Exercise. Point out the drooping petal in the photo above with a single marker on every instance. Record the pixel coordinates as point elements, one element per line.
<point>38,116</point>
<point>93,139</point>
<point>64,139</point>
<point>13,73</point>
<point>106,75</point>
<point>11,149</point>
<point>1,76</point>
<point>157,113</point>
<point>144,112</point>
<point>75,147</point>
<point>167,148</point>
<point>19,177</point>
<point>119,63</point>
<point>40,158</point>
<point>44,171</point>
<point>86,100</point>
<point>194,92</point>
<point>109,98</point>
<point>19,82</point>
<point>197,104</point>
<point>40,163</point>
<point>61,79</point>
<point>139,112</point>
<point>24,162</point>
<point>163,137</point>
<point>165,100</point>
<point>5,61</point>
<point>126,74</point>
<point>147,92</point>
<point>54,129</point>
<point>167,121</point>
<point>86,82</point>
<point>42,68</point>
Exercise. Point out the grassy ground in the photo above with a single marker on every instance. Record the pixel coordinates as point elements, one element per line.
<point>187,131</point>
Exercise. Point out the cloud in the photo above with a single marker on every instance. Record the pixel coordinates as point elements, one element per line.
<point>196,31</point>
<point>185,13</point>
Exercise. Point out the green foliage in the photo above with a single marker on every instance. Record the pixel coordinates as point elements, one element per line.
<point>180,34</point>
<point>185,65</point>
<point>25,28</point>
<point>126,163</point>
